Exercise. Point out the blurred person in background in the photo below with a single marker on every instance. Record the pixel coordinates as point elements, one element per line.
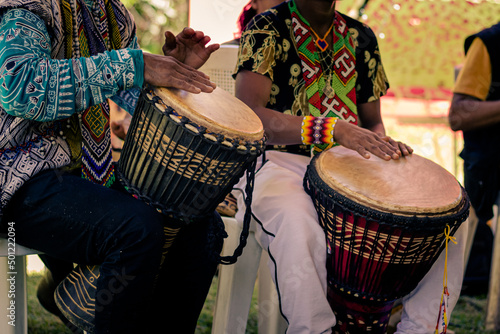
<point>475,110</point>
<point>252,8</point>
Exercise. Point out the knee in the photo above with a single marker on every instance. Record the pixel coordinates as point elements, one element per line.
<point>303,242</point>
<point>143,233</point>
<point>303,232</point>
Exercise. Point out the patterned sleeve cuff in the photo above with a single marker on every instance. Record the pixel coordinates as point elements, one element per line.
<point>137,56</point>
<point>129,66</point>
<point>318,130</point>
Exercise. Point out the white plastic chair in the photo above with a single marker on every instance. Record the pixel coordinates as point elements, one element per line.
<point>236,286</point>
<point>237,281</point>
<point>492,321</point>
<point>13,294</point>
<point>221,65</point>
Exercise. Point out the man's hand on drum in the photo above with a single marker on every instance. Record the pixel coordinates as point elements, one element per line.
<point>365,142</point>
<point>189,47</point>
<point>167,71</point>
<point>404,149</point>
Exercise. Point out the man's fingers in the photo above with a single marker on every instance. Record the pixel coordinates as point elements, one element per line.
<point>394,146</point>
<point>383,149</point>
<point>196,79</point>
<point>407,150</point>
<point>169,39</point>
<point>363,152</point>
<point>190,85</point>
<point>213,47</point>
<point>199,36</point>
<point>403,149</point>
<point>169,72</point>
<point>188,32</point>
<point>190,71</point>
<point>186,69</point>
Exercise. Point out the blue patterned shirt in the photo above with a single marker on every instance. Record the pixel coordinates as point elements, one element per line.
<point>41,91</point>
<point>57,87</point>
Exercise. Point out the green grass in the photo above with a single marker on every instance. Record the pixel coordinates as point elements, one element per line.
<point>468,316</point>
<point>42,322</point>
<point>39,320</point>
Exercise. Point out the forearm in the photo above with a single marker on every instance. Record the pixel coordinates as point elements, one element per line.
<point>127,99</point>
<point>280,129</point>
<point>47,89</point>
<point>283,129</point>
<point>371,118</point>
<point>467,113</point>
<point>254,90</point>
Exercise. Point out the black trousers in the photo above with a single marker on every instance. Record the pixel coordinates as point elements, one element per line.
<point>73,220</point>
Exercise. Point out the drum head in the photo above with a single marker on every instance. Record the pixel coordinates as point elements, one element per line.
<point>219,112</point>
<point>409,186</point>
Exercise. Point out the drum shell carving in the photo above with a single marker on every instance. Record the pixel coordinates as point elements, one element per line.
<point>177,166</point>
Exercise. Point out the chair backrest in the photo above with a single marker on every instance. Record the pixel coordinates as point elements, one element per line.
<point>221,65</point>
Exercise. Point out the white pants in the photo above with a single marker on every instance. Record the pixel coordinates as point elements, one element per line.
<point>291,233</point>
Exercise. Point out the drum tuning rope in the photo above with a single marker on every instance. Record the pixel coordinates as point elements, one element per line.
<point>250,175</point>
<point>442,322</point>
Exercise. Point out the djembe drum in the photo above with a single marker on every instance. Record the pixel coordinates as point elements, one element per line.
<point>385,226</point>
<point>184,152</point>
<point>182,155</point>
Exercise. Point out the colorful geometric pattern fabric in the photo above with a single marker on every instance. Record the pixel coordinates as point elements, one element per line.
<point>341,102</point>
<point>318,130</point>
<point>343,65</point>
<point>91,25</point>
<point>268,47</point>
<point>40,126</point>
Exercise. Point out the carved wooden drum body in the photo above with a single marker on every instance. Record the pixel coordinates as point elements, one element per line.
<point>184,152</point>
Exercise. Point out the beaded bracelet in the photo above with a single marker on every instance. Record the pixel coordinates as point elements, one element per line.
<point>318,130</point>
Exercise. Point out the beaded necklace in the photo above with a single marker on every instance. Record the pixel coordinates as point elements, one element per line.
<point>321,43</point>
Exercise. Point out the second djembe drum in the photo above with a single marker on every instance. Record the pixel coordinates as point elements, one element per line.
<point>385,226</point>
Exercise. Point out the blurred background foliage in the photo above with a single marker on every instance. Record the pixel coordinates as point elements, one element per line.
<point>154,17</point>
